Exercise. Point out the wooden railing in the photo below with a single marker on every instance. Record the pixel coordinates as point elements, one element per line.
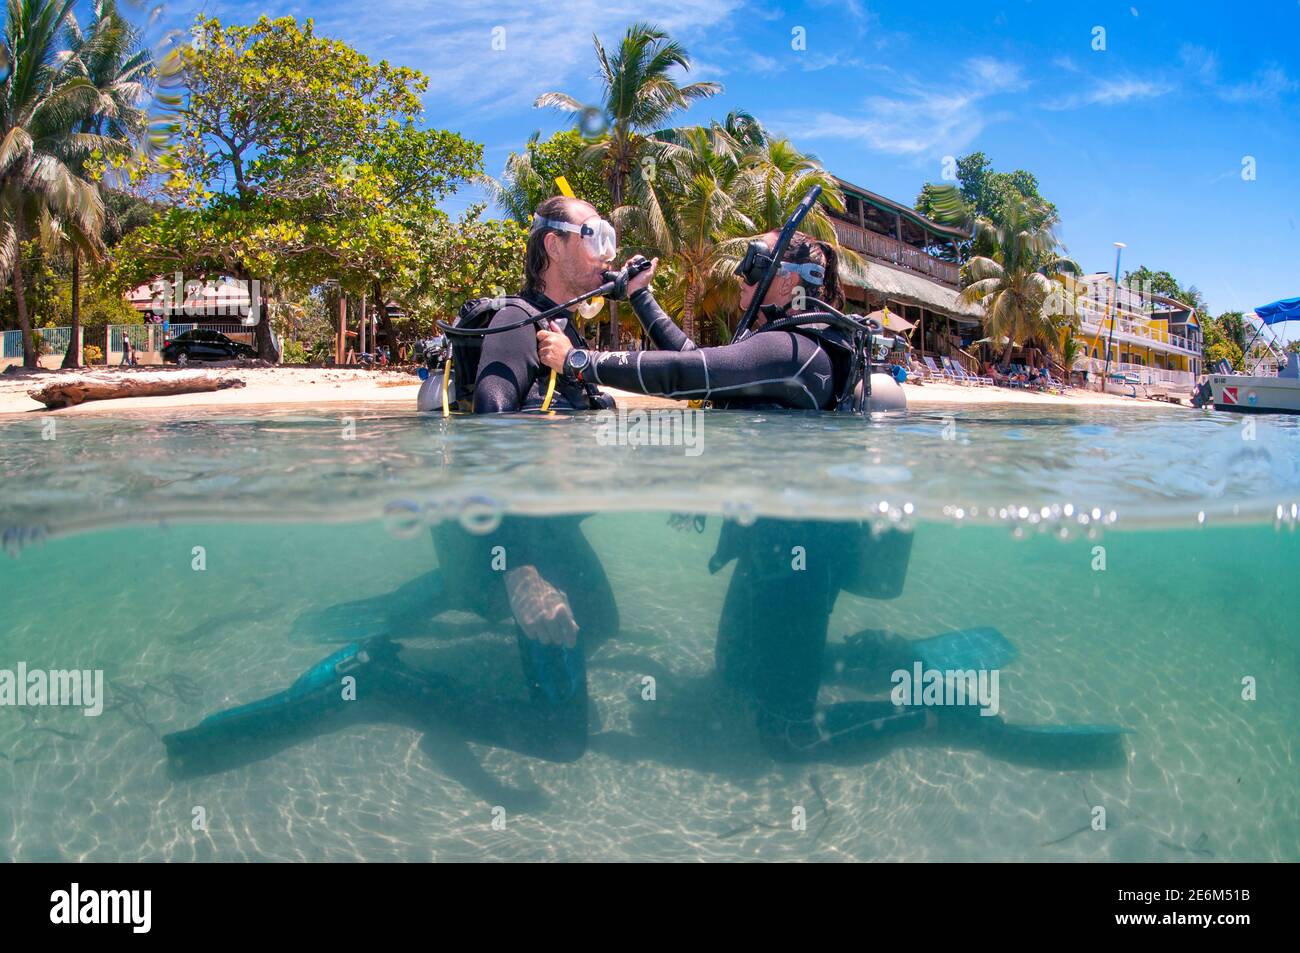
<point>893,252</point>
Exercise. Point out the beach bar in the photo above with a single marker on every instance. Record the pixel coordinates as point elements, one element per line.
<point>910,269</point>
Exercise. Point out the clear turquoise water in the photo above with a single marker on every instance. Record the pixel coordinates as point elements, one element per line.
<point>297,511</point>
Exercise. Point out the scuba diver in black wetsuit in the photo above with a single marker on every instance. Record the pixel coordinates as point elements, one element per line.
<point>773,631</point>
<point>772,636</point>
<point>568,250</point>
<point>555,587</point>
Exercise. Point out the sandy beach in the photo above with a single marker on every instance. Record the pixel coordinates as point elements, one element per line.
<point>311,387</point>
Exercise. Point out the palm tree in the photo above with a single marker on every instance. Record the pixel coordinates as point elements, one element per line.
<point>42,104</point>
<point>517,190</point>
<point>639,96</point>
<point>1020,285</point>
<point>110,55</point>
<point>717,188</point>
<point>681,214</point>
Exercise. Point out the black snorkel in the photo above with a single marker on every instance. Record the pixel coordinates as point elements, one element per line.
<point>754,256</point>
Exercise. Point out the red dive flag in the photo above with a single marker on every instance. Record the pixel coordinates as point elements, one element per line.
<point>1229,395</point>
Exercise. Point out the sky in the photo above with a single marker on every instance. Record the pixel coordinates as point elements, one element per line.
<point>1173,127</point>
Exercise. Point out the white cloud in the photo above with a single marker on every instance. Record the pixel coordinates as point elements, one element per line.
<point>919,119</point>
<point>548,45</point>
<point>1267,83</point>
<point>1112,91</point>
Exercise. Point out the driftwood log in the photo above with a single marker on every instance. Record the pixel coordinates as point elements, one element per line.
<point>69,391</point>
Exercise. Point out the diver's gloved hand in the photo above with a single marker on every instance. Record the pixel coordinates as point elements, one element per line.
<point>632,277</point>
<point>541,610</point>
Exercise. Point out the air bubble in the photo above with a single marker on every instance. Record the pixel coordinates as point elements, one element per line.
<point>403,519</point>
<point>592,122</point>
<point>481,515</point>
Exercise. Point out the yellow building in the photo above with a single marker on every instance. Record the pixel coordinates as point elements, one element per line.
<point>1154,339</point>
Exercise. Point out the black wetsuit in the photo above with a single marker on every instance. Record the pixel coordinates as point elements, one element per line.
<point>773,630</point>
<point>791,369</point>
<point>510,377</point>
<point>550,723</point>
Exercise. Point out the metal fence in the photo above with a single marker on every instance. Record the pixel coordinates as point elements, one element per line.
<point>48,341</point>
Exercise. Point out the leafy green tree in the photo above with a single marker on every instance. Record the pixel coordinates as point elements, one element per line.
<point>530,176</point>
<point>710,190</point>
<point>996,197</point>
<point>471,258</point>
<point>640,93</point>
<point>1217,345</point>
<point>298,161</point>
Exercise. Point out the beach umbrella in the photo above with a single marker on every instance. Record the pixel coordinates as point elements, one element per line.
<point>891,321</point>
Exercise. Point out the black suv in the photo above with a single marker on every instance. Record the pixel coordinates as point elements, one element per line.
<point>203,345</point>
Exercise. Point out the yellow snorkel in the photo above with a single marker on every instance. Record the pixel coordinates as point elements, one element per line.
<point>563,185</point>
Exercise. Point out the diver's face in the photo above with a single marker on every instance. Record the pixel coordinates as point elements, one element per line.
<point>572,260</point>
<point>779,292</point>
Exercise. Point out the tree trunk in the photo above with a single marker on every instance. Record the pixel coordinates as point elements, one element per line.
<point>72,358</point>
<point>70,391</point>
<point>20,302</point>
<point>688,312</point>
<point>385,321</point>
<point>262,330</point>
<point>617,195</point>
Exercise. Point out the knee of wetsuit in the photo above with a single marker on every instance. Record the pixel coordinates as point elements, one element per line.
<point>880,567</point>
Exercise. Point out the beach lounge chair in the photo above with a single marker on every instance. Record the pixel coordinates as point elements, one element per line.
<point>963,375</point>
<point>938,372</point>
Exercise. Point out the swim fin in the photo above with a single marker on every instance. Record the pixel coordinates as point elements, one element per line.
<point>979,648</point>
<point>982,647</point>
<point>1058,747</point>
<point>410,606</point>
<point>314,703</point>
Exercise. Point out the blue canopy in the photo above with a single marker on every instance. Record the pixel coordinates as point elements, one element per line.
<point>1288,309</point>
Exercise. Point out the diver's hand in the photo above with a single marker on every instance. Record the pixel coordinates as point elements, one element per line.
<point>541,610</point>
<point>643,279</point>
<point>553,347</point>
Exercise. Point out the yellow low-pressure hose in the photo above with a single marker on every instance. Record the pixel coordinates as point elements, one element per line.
<point>446,383</point>
<point>550,392</point>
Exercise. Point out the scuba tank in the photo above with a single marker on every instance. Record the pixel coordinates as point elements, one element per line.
<point>432,354</point>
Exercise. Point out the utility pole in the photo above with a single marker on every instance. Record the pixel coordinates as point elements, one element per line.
<point>341,342</point>
<point>1114,316</point>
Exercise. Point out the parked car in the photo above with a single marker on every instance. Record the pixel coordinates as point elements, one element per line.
<point>204,345</point>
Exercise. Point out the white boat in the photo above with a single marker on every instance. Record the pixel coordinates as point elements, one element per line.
<point>1256,394</point>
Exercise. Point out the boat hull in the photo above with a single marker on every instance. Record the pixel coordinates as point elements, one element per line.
<point>1255,395</point>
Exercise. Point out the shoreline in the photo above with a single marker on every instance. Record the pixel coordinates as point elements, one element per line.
<point>292,387</point>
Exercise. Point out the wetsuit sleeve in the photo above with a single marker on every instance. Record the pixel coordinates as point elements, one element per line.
<point>661,329</point>
<point>779,367</point>
<point>508,365</point>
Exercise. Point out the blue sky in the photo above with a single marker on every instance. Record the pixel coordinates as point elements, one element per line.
<point>1144,141</point>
